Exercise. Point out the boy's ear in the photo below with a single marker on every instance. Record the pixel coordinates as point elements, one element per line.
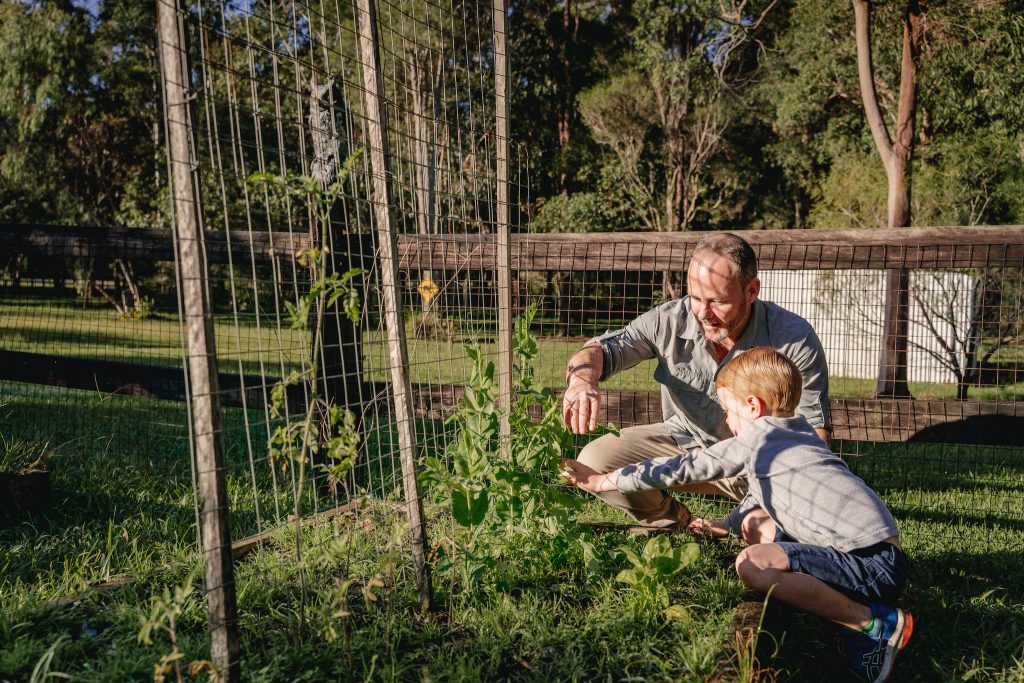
<point>756,406</point>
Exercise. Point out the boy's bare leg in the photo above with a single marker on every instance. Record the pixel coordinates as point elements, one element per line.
<point>758,527</point>
<point>765,565</point>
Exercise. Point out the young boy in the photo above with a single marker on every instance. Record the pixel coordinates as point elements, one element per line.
<point>818,534</point>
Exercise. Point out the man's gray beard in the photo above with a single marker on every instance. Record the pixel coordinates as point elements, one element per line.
<point>718,338</point>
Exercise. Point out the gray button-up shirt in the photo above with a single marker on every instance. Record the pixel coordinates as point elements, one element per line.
<point>687,365</point>
<point>809,493</point>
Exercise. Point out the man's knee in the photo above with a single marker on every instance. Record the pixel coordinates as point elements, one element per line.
<point>597,454</point>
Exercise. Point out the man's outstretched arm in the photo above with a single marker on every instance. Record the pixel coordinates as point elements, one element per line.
<point>582,399</point>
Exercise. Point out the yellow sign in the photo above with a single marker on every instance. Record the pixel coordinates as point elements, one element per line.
<point>427,289</point>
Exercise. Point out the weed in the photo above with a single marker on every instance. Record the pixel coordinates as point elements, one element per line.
<point>654,567</point>
<point>164,612</point>
<point>20,455</point>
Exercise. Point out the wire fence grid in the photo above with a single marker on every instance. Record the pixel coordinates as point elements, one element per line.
<point>282,160</point>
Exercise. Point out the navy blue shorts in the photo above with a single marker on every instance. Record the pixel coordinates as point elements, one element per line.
<point>877,573</point>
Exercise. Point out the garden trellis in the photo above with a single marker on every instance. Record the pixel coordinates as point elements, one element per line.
<point>342,276</point>
<point>325,124</point>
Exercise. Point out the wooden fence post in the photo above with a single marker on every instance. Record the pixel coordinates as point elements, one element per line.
<point>376,127</point>
<point>222,609</point>
<point>504,250</point>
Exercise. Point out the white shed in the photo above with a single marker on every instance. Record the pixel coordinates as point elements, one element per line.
<point>846,308</point>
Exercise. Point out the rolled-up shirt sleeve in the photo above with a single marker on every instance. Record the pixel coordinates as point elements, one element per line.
<point>630,345</point>
<point>809,357</point>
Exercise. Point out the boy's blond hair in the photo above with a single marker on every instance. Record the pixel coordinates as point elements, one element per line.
<point>764,372</point>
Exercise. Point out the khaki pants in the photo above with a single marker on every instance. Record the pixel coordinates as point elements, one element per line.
<point>650,508</point>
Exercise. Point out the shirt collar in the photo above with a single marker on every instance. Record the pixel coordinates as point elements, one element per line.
<point>756,331</point>
<point>691,330</point>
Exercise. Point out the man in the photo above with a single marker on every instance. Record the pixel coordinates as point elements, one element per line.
<point>720,318</point>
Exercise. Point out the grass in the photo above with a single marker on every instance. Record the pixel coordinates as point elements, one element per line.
<point>67,327</point>
<point>125,505</point>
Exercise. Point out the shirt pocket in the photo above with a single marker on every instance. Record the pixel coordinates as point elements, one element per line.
<point>691,387</point>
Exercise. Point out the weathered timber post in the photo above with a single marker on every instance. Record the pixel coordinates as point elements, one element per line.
<point>222,609</point>
<point>376,128</point>
<point>503,253</point>
<point>340,338</point>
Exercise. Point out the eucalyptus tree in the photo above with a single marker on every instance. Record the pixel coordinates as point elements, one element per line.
<point>664,113</point>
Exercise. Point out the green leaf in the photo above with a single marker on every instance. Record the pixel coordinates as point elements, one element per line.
<point>469,507</point>
<point>627,576</point>
<point>677,613</point>
<point>659,545</point>
<point>631,555</point>
<point>690,553</point>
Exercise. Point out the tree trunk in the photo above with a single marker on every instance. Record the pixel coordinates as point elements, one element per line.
<point>892,365</point>
<point>566,113</point>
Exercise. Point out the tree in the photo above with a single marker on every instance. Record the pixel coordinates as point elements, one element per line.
<point>80,123</point>
<point>664,114</point>
<point>895,154</point>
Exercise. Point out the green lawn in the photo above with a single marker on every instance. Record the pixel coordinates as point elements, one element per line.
<point>66,327</point>
<point>124,505</point>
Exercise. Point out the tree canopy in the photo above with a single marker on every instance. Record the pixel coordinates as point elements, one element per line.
<point>650,114</point>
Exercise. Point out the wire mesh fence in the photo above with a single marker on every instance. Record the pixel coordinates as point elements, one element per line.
<point>283,154</point>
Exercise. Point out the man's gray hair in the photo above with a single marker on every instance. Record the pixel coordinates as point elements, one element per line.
<point>734,248</point>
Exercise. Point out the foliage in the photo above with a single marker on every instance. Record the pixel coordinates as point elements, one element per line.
<point>325,428</point>
<point>810,93</point>
<point>18,456</point>
<point>580,212</point>
<point>654,567</point>
<point>165,611</point>
<point>504,496</point>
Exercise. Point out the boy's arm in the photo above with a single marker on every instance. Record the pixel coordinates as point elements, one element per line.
<point>588,478</point>
<point>729,525</point>
<point>723,460</point>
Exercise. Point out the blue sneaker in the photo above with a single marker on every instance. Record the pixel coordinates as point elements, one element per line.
<point>873,657</point>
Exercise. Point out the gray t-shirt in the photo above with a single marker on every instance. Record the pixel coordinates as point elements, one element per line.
<point>809,492</point>
<point>687,365</point>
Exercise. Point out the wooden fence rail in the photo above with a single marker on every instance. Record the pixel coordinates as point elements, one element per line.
<point>919,248</point>
<point>868,420</point>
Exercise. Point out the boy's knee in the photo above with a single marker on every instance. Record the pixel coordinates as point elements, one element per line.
<point>759,568</point>
<point>746,567</point>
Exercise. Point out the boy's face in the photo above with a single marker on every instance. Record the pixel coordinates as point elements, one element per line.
<point>740,411</point>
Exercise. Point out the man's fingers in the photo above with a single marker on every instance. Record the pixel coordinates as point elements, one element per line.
<point>593,406</point>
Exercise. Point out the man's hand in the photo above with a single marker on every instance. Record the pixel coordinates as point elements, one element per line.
<point>582,400</point>
<point>707,527</point>
<point>580,406</point>
<point>588,478</point>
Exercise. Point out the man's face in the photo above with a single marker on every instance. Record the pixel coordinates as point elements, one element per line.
<point>717,298</point>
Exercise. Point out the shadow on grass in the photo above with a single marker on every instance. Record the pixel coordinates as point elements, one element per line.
<point>968,620</point>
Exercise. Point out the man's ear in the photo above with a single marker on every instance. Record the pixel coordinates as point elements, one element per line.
<point>753,289</point>
<point>756,406</point>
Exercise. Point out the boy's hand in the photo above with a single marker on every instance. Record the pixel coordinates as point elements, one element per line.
<point>588,478</point>
<point>707,527</point>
